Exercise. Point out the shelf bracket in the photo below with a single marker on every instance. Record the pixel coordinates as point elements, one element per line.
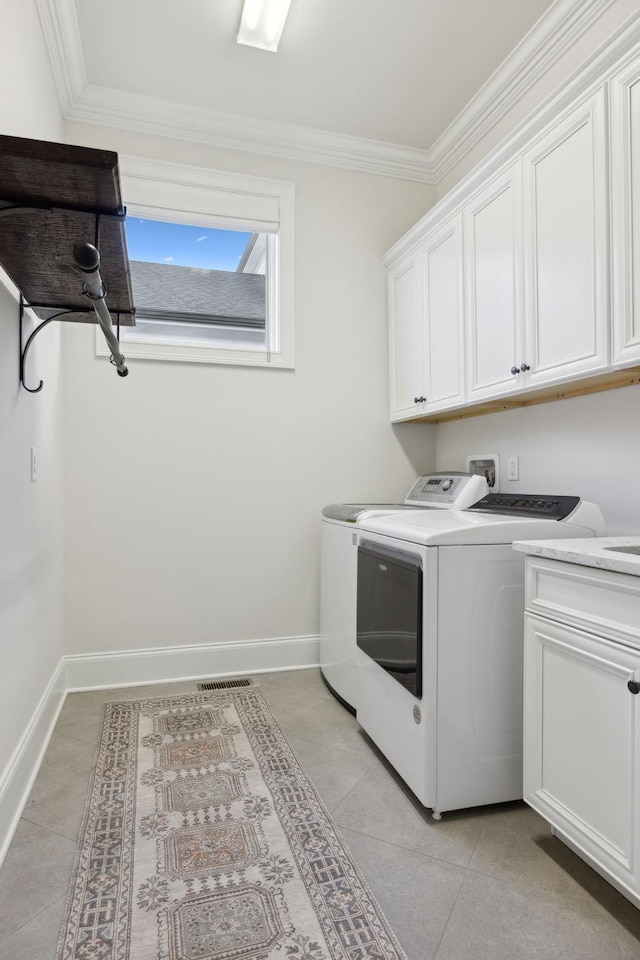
<point>87,260</point>
<point>24,347</point>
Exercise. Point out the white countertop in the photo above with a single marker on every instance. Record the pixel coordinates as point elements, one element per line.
<point>590,552</point>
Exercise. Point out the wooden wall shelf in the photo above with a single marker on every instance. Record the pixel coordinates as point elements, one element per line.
<point>54,197</point>
<point>50,197</point>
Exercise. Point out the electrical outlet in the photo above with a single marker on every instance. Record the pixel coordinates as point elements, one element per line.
<point>512,468</point>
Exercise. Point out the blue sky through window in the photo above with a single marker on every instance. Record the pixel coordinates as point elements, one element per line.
<point>155,241</point>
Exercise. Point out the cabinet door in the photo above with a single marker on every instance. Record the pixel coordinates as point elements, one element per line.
<point>406,339</point>
<point>565,229</point>
<point>441,256</point>
<point>493,284</point>
<point>625,214</point>
<point>582,743</point>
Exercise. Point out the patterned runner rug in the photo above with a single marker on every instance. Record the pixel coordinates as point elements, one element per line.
<point>204,840</point>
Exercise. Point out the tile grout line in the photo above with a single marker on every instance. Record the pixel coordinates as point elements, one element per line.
<point>399,846</point>
<point>511,881</point>
<point>467,869</point>
<point>56,833</point>
<point>329,746</point>
<point>32,918</point>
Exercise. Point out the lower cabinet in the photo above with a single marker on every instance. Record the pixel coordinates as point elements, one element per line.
<point>582,743</point>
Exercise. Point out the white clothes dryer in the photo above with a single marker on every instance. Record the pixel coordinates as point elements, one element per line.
<point>439,627</point>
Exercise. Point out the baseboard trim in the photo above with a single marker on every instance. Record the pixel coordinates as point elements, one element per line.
<point>126,668</point>
<point>18,777</point>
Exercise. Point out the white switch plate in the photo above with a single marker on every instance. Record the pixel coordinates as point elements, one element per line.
<point>34,464</point>
<point>512,468</point>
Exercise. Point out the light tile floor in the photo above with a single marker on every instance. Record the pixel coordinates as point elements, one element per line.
<point>483,884</point>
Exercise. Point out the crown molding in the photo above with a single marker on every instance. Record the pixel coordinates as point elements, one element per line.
<point>556,31</point>
<point>61,34</point>
<point>552,36</point>
<point>614,55</point>
<point>143,114</point>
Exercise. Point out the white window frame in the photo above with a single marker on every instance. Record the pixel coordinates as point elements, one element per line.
<point>156,189</point>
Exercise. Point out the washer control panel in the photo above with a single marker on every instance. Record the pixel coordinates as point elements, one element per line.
<point>459,490</point>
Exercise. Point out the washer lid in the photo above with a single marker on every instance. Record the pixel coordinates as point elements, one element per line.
<point>477,526</point>
<point>356,512</point>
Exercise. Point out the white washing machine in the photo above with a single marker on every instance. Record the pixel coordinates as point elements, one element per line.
<point>440,610</point>
<point>339,565</point>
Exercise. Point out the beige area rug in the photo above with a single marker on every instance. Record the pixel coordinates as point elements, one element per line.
<point>204,840</point>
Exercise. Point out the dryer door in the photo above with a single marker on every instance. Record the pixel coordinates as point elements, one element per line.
<point>389,613</point>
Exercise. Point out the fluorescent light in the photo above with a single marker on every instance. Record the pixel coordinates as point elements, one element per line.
<point>262,23</point>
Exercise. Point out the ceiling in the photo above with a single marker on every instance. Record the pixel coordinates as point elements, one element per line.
<point>394,72</point>
<point>403,89</point>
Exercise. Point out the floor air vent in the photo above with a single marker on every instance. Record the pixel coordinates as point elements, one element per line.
<point>225,684</point>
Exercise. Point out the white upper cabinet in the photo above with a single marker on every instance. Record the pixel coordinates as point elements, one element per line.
<point>406,340</point>
<point>442,282</point>
<point>625,213</point>
<point>526,277</point>
<point>565,229</point>
<point>493,282</point>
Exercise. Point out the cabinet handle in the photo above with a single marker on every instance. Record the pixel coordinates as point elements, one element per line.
<point>634,686</point>
<point>514,371</point>
<point>524,367</point>
<point>419,399</point>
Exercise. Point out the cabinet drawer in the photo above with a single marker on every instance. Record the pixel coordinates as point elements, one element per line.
<point>598,601</point>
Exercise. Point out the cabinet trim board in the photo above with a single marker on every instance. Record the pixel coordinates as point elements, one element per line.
<point>578,387</point>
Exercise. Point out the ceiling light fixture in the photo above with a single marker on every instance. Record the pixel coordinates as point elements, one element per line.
<point>262,23</point>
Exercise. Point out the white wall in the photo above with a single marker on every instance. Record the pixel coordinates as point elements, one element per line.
<point>30,514</point>
<point>194,491</point>
<point>586,446</point>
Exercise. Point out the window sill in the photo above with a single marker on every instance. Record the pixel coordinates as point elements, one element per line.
<point>189,353</point>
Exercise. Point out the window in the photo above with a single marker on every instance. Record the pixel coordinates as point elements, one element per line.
<point>211,258</point>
